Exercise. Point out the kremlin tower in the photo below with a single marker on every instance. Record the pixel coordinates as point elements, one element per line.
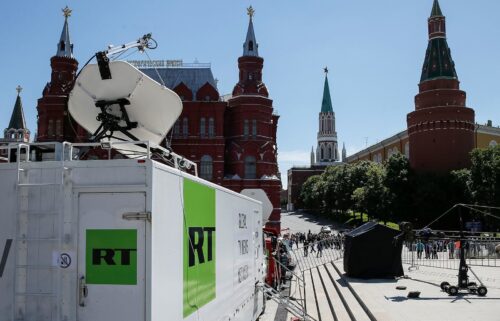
<point>327,150</point>
<point>441,129</point>
<point>17,130</point>
<point>54,121</point>
<point>250,130</point>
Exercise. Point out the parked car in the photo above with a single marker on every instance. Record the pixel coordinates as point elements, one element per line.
<point>326,230</point>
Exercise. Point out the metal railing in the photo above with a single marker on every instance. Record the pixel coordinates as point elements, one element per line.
<point>55,151</point>
<point>295,305</point>
<point>444,252</point>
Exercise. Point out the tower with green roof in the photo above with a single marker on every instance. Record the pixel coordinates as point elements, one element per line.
<point>327,148</point>
<point>441,128</point>
<point>17,130</point>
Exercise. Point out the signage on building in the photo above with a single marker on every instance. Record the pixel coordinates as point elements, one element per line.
<point>156,63</point>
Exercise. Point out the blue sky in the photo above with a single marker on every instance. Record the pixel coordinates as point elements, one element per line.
<point>373,49</point>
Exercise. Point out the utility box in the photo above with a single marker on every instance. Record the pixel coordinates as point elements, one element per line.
<point>125,239</point>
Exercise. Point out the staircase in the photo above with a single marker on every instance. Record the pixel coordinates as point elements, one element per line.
<point>38,241</point>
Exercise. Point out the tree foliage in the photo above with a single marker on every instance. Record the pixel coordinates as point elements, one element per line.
<point>392,191</point>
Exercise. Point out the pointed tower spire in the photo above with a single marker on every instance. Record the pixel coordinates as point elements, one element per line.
<point>438,62</point>
<point>436,9</point>
<point>326,105</point>
<point>312,156</point>
<point>250,47</point>
<point>17,130</point>
<point>344,153</point>
<point>17,120</point>
<point>65,47</point>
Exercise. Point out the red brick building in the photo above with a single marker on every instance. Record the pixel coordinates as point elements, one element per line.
<point>233,140</point>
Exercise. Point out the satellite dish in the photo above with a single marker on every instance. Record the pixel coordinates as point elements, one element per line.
<point>260,195</point>
<point>127,106</point>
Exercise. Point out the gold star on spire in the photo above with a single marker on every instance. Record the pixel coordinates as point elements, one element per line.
<point>19,89</point>
<point>67,12</point>
<point>250,12</point>
<point>326,70</point>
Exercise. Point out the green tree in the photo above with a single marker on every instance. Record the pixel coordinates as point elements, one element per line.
<point>398,179</point>
<point>485,176</point>
<point>309,193</point>
<point>372,196</point>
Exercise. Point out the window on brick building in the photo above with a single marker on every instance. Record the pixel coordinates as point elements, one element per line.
<point>245,128</point>
<point>50,129</point>
<point>211,127</point>
<point>206,167</point>
<point>185,127</point>
<point>202,127</point>
<point>177,128</point>
<point>250,167</point>
<point>58,128</point>
<point>254,127</point>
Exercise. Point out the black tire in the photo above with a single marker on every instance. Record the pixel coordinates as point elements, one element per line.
<point>453,290</point>
<point>443,285</point>
<point>482,290</point>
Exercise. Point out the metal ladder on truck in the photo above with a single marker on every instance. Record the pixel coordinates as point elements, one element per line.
<point>38,241</point>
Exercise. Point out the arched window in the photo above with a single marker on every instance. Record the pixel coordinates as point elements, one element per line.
<point>50,129</point>
<point>329,152</point>
<point>58,127</point>
<point>322,152</point>
<point>202,127</point>
<point>177,128</point>
<point>250,167</point>
<point>254,127</point>
<point>185,127</point>
<point>211,127</point>
<point>206,167</point>
<point>245,127</point>
<point>250,45</point>
<point>493,143</point>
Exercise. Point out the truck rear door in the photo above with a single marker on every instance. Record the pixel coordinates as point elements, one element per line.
<point>111,256</point>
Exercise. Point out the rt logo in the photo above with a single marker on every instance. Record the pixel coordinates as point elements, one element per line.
<point>195,244</point>
<point>109,256</point>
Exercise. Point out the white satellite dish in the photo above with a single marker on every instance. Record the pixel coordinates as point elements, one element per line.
<point>126,105</point>
<point>260,195</point>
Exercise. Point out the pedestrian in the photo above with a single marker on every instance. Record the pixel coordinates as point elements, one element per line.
<point>420,249</point>
<point>320,249</point>
<point>306,247</point>
<point>451,249</point>
<point>434,250</point>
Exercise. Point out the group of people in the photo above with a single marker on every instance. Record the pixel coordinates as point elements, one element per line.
<point>315,242</point>
<point>472,248</point>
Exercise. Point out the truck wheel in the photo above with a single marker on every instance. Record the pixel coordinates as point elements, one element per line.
<point>453,290</point>
<point>481,291</point>
<point>443,285</point>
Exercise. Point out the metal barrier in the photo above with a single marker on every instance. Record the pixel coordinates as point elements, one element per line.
<point>318,253</point>
<point>444,252</point>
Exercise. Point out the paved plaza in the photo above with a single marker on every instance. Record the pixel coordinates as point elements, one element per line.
<point>330,295</point>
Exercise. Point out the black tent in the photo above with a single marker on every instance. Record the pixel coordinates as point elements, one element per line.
<point>372,251</point>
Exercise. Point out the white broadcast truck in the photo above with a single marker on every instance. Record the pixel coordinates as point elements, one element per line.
<point>110,231</point>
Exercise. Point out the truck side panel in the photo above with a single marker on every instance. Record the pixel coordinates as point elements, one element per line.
<point>7,234</point>
<point>205,251</point>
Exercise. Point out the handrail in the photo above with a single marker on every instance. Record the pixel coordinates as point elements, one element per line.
<point>150,151</point>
